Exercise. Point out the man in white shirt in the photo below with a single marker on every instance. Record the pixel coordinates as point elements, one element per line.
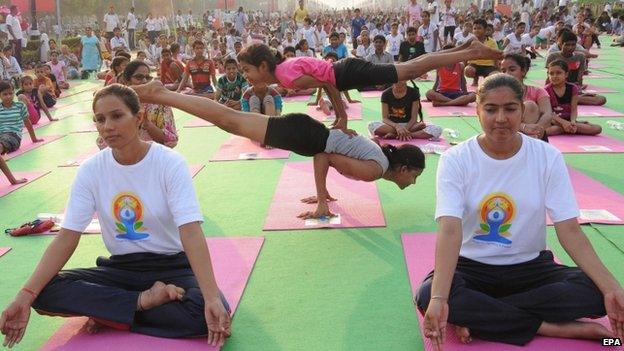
<point>15,33</point>
<point>131,23</point>
<point>189,18</point>
<point>429,33</point>
<point>111,20</point>
<point>394,40</point>
<point>117,41</point>
<point>180,21</point>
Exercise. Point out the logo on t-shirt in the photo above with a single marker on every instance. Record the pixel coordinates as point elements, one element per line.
<point>128,212</point>
<point>497,212</point>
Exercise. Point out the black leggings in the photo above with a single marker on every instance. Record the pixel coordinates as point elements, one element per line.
<point>297,132</point>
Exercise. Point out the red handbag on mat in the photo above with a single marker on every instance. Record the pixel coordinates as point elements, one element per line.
<point>34,227</point>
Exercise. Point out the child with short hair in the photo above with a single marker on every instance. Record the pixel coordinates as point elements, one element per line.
<point>201,70</point>
<point>117,66</point>
<point>36,99</point>
<point>564,100</point>
<point>13,118</point>
<point>450,88</point>
<point>43,83</point>
<point>481,67</point>
<point>263,99</point>
<point>230,86</point>
<point>58,69</point>
<point>13,70</point>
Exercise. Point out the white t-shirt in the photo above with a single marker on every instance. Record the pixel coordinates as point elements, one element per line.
<point>514,46</point>
<point>139,206</point>
<point>150,24</point>
<point>16,28</point>
<point>428,35</point>
<point>180,22</point>
<point>503,203</point>
<point>527,41</point>
<point>460,38</point>
<point>118,42</point>
<point>363,52</point>
<point>563,3</point>
<point>448,16</point>
<point>292,43</point>
<point>393,44</point>
<point>308,34</point>
<point>132,21</point>
<point>435,16</point>
<point>111,21</point>
<point>546,33</point>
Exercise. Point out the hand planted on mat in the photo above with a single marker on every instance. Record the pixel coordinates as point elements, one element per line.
<point>403,134</point>
<point>218,322</point>
<point>342,125</point>
<point>614,305</point>
<point>14,320</point>
<point>314,199</point>
<point>322,210</point>
<point>435,322</point>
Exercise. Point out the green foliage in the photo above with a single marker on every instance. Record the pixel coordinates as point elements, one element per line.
<point>30,56</point>
<point>71,42</point>
<point>33,45</point>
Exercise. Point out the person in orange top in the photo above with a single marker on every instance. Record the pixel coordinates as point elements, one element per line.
<point>44,86</point>
<point>202,71</point>
<point>170,70</point>
<point>449,88</point>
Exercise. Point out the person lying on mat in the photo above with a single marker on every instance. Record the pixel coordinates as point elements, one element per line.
<point>260,63</point>
<point>355,157</point>
<point>537,114</point>
<point>13,117</point>
<point>449,88</point>
<point>564,99</point>
<point>158,121</point>
<point>401,116</point>
<point>159,280</point>
<point>494,278</point>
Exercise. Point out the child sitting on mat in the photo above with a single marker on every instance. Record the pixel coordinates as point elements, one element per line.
<point>564,99</point>
<point>37,99</point>
<point>449,88</point>
<point>323,103</point>
<point>230,86</point>
<point>263,99</point>
<point>402,116</point>
<point>13,117</point>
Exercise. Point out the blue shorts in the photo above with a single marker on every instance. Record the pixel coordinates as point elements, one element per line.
<point>203,90</point>
<point>453,94</point>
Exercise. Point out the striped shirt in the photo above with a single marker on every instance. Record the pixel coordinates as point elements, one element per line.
<point>12,118</point>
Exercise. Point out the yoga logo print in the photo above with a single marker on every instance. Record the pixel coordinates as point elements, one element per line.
<point>497,212</point>
<point>128,212</point>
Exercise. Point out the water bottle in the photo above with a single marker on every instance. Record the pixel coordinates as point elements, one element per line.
<point>451,135</point>
<point>615,125</point>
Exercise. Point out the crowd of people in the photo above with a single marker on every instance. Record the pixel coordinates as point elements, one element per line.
<point>235,70</point>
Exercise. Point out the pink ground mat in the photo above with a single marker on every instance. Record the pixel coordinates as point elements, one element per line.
<point>594,89</point>
<point>427,146</point>
<point>239,148</point>
<point>596,75</point>
<point>4,250</point>
<point>44,121</point>
<point>371,94</point>
<point>354,113</point>
<point>296,98</point>
<point>195,169</point>
<point>233,260</point>
<point>78,160</point>
<point>28,145</point>
<point>358,203</point>
<point>197,122</point>
<point>586,144</point>
<point>419,250</point>
<point>593,65</point>
<point>597,111</point>
<point>449,111</point>
<point>6,187</point>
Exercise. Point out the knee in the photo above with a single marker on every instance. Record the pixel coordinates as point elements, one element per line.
<point>430,94</point>
<point>471,97</point>
<point>531,112</point>
<point>595,129</point>
<point>601,100</point>
<point>423,295</point>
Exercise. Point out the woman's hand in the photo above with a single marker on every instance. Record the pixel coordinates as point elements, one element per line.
<point>322,210</point>
<point>435,322</point>
<point>533,130</point>
<point>314,199</point>
<point>218,322</point>
<point>614,305</point>
<point>14,319</point>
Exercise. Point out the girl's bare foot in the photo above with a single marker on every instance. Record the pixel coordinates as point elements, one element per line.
<point>159,294</point>
<point>575,330</point>
<point>463,334</point>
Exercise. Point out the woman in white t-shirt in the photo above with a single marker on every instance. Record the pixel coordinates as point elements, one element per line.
<point>159,280</point>
<point>494,277</point>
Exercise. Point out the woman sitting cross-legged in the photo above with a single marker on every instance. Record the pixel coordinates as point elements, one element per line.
<point>159,280</point>
<point>494,278</point>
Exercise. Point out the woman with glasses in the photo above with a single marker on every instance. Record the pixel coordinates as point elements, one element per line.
<point>158,122</point>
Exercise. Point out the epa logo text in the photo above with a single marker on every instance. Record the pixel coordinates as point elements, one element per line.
<point>611,342</point>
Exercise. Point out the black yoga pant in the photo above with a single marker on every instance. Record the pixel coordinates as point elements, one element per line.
<point>297,132</point>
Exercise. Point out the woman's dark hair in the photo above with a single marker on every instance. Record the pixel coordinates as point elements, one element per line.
<point>522,61</point>
<point>117,61</point>
<point>404,155</point>
<point>255,54</point>
<point>480,22</point>
<point>125,94</point>
<point>500,80</point>
<point>123,53</point>
<point>5,85</point>
<point>132,67</point>
<point>561,64</point>
<point>290,49</point>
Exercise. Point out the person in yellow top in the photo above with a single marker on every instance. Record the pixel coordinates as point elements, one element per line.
<point>300,14</point>
<point>481,68</point>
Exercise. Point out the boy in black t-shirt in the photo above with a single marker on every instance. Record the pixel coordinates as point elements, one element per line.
<point>412,47</point>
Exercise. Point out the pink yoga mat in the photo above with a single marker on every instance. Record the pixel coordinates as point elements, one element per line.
<point>419,250</point>
<point>197,122</point>
<point>358,203</point>
<point>78,160</point>
<point>6,187</point>
<point>594,89</point>
<point>354,113</point>
<point>424,144</point>
<point>597,111</point>
<point>4,250</point>
<point>195,169</point>
<point>239,148</point>
<point>371,94</point>
<point>28,145</point>
<point>593,65</point>
<point>296,98</point>
<point>586,144</point>
<point>449,111</point>
<point>595,75</point>
<point>232,259</point>
<point>44,121</point>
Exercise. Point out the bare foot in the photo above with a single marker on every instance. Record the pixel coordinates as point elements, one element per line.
<point>436,103</point>
<point>574,330</point>
<point>481,51</point>
<point>463,334</point>
<point>159,294</point>
<point>91,326</point>
<point>19,181</point>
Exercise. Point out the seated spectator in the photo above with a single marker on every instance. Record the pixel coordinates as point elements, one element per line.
<point>335,46</point>
<point>58,69</point>
<point>402,116</point>
<point>481,68</point>
<point>230,86</point>
<point>117,41</point>
<point>411,47</point>
<point>171,71</point>
<point>380,55</point>
<point>450,88</point>
<point>13,70</point>
<point>303,49</point>
<point>117,66</point>
<point>201,71</point>
<point>36,99</point>
<point>261,98</point>
<point>364,48</point>
<point>564,98</point>
<point>44,84</point>
<point>71,62</point>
